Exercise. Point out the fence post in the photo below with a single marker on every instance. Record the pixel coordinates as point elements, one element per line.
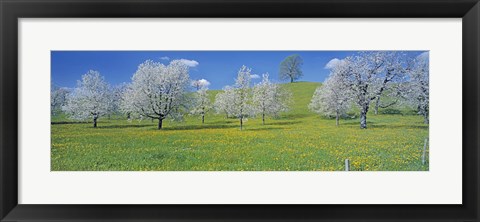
<point>424,151</point>
<point>347,165</point>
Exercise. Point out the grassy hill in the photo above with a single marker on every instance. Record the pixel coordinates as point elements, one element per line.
<point>301,91</point>
<point>299,140</point>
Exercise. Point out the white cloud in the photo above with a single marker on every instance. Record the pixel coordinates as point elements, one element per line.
<point>166,58</point>
<point>204,82</point>
<point>423,56</point>
<point>201,83</point>
<point>332,63</point>
<point>190,63</point>
<point>254,76</point>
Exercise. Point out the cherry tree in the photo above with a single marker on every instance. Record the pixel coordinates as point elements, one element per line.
<point>91,99</point>
<point>157,91</point>
<point>269,98</point>
<point>116,98</point>
<point>394,97</point>
<point>239,103</point>
<point>291,68</point>
<point>419,86</point>
<point>333,97</point>
<point>202,103</point>
<point>223,102</point>
<point>58,98</point>
<point>370,74</point>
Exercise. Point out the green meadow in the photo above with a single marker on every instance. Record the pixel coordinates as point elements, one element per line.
<point>298,140</point>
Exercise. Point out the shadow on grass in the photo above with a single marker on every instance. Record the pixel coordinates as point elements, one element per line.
<point>384,126</point>
<point>65,122</point>
<point>283,123</point>
<point>198,127</point>
<point>264,129</point>
<point>222,122</point>
<point>122,126</point>
<point>351,123</point>
<point>296,115</point>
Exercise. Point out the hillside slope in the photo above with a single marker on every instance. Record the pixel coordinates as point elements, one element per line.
<point>302,93</point>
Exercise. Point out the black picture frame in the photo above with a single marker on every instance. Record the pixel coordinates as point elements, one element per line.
<point>12,10</point>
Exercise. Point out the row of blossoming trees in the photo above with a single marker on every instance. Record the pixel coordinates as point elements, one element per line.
<point>159,91</point>
<point>239,101</point>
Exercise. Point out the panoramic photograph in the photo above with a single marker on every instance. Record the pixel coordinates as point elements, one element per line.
<point>239,110</point>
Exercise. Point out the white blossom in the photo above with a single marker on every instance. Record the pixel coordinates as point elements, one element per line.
<point>236,100</point>
<point>202,104</point>
<point>116,99</point>
<point>370,74</point>
<point>333,97</point>
<point>157,91</point>
<point>91,99</point>
<point>269,99</point>
<point>223,102</point>
<point>419,86</point>
<point>58,98</point>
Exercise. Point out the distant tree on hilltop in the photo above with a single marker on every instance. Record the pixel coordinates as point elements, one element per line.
<point>291,68</point>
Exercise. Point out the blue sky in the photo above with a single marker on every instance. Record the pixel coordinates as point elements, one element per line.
<point>218,67</point>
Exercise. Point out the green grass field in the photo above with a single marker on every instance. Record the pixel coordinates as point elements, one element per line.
<point>297,141</point>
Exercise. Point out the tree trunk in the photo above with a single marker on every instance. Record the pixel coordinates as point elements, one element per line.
<point>241,123</point>
<point>377,104</point>
<point>203,118</point>
<point>337,118</point>
<point>263,118</point>
<point>95,122</point>
<point>363,117</point>
<point>291,79</point>
<point>160,122</point>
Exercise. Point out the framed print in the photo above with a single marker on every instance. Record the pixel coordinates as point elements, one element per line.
<point>225,110</point>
